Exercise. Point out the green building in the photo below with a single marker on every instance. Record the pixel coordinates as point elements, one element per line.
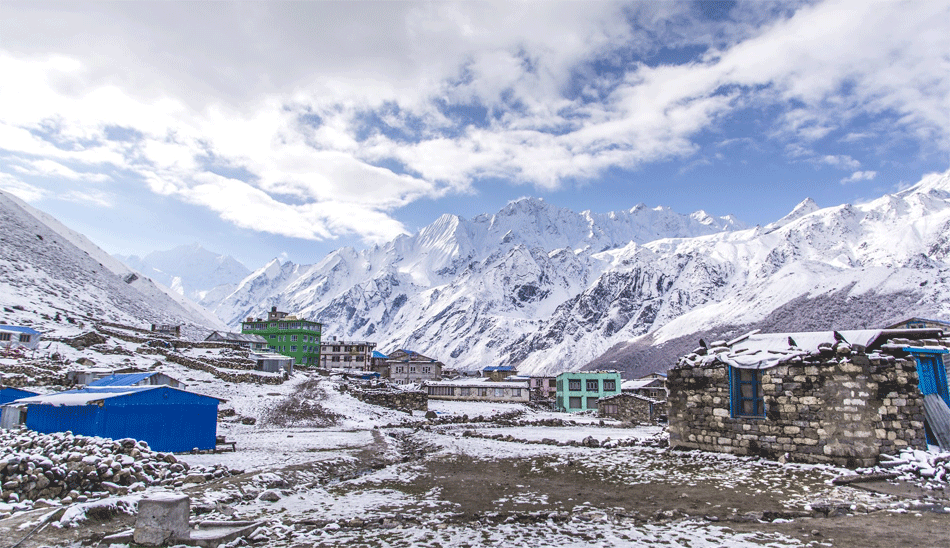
<point>288,335</point>
<point>580,390</point>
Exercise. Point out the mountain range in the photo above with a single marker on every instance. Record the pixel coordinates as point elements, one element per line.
<point>533,285</point>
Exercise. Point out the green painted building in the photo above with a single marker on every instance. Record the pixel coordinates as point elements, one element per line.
<point>580,390</point>
<point>288,335</point>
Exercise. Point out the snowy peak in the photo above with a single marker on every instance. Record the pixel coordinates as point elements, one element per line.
<point>805,207</point>
<point>190,270</point>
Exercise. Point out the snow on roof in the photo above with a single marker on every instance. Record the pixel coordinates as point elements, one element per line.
<point>19,329</point>
<point>122,380</point>
<point>640,383</point>
<point>88,395</point>
<point>239,337</point>
<point>271,356</point>
<point>764,350</point>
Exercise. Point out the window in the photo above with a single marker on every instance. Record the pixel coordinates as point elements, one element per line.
<point>398,367</point>
<point>4,336</point>
<point>552,383</point>
<point>359,348</point>
<point>24,337</point>
<point>575,401</point>
<point>441,390</point>
<point>412,369</point>
<point>592,403</point>
<point>346,358</point>
<point>293,348</point>
<point>574,385</point>
<point>593,385</point>
<point>427,369</point>
<point>483,392</point>
<point>609,408</point>
<point>516,392</point>
<point>746,393</point>
<point>335,358</point>
<point>499,392</point>
<point>336,348</point>
<point>293,338</point>
<point>465,391</point>
<point>272,336</point>
<point>610,385</point>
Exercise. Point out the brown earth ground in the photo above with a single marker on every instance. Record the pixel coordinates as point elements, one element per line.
<point>485,491</point>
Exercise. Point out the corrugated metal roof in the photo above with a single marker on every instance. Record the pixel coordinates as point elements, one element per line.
<point>91,394</point>
<point>122,380</point>
<point>378,354</point>
<point>938,417</point>
<point>19,329</point>
<point>499,368</point>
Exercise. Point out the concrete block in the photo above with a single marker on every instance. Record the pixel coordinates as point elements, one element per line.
<point>162,519</point>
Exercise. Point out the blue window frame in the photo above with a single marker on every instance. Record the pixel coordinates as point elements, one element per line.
<point>746,393</point>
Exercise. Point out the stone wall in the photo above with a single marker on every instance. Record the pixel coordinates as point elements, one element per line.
<point>397,399</point>
<point>842,410</point>
<point>630,408</point>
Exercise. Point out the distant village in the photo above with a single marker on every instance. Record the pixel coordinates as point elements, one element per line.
<point>838,397</point>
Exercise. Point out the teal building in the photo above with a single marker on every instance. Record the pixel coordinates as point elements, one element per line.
<point>288,335</point>
<point>580,390</point>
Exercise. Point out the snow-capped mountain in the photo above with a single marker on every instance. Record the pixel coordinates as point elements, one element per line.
<point>549,289</point>
<point>461,289</point>
<point>191,270</point>
<point>48,268</point>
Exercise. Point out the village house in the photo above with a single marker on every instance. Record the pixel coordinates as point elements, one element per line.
<point>270,362</point>
<point>249,341</point>
<point>7,395</point>
<point>478,389</point>
<point>167,330</point>
<point>407,366</point>
<point>579,390</point>
<point>168,419</point>
<point>652,386</point>
<point>91,374</point>
<point>543,388</point>
<point>17,336</point>
<point>823,397</point>
<point>632,408</point>
<point>149,378</point>
<point>499,373</point>
<point>288,335</point>
<point>346,354</point>
<point>921,323</point>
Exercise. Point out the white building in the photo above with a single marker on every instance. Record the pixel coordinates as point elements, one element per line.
<point>346,354</point>
<point>16,336</point>
<point>479,389</point>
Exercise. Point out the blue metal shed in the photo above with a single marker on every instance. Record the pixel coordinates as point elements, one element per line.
<point>166,418</point>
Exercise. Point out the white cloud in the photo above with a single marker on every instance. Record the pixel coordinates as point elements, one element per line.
<point>23,191</point>
<point>859,176</point>
<point>281,93</point>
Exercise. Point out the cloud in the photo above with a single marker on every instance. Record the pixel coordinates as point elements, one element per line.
<point>317,120</point>
<point>859,176</point>
<point>23,191</point>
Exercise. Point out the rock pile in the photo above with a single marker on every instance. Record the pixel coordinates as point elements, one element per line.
<point>72,468</point>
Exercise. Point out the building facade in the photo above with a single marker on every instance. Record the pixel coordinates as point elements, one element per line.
<point>579,390</point>
<point>823,397</point>
<point>346,354</point>
<point>543,388</point>
<point>478,389</point>
<point>409,366</point>
<point>254,343</point>
<point>15,336</point>
<point>288,335</point>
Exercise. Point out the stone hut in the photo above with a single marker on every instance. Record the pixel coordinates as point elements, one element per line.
<point>821,397</point>
<point>632,408</point>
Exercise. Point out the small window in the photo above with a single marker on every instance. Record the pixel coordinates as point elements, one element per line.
<point>574,385</point>
<point>593,385</point>
<point>747,393</point>
<point>427,369</point>
<point>398,368</point>
<point>499,392</point>
<point>24,338</point>
<point>552,383</point>
<point>575,401</point>
<point>412,369</point>
<point>465,391</point>
<point>293,348</point>
<point>609,408</point>
<point>610,385</point>
<point>4,336</point>
<point>337,358</point>
<point>483,392</point>
<point>293,338</point>
<point>516,392</point>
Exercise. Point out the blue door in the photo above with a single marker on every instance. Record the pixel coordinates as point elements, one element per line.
<point>932,376</point>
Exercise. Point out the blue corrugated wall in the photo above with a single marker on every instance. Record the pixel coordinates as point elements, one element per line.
<point>8,394</point>
<point>167,419</point>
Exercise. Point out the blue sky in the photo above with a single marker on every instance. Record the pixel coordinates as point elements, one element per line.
<point>269,129</point>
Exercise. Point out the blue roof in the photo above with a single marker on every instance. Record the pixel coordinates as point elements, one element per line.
<point>378,354</point>
<point>499,368</point>
<point>19,329</point>
<point>127,379</point>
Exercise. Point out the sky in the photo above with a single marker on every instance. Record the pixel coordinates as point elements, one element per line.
<point>290,129</point>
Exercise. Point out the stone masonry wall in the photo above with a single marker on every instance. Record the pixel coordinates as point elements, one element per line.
<point>629,408</point>
<point>841,410</point>
<point>400,400</point>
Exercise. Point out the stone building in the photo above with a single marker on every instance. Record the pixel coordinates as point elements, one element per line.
<point>842,398</point>
<point>632,408</point>
<point>408,366</point>
<point>479,389</point>
<point>347,354</point>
